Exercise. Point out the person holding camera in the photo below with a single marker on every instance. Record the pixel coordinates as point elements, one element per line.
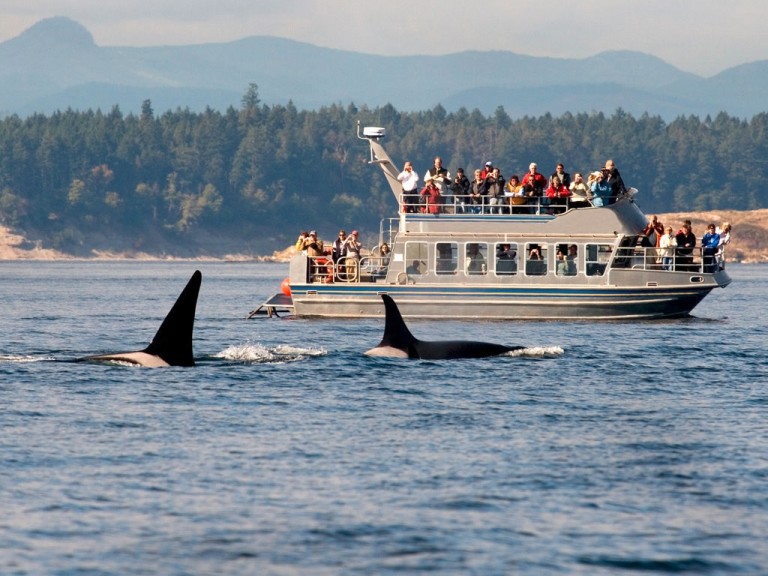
<point>460,188</point>
<point>601,189</point>
<point>409,180</point>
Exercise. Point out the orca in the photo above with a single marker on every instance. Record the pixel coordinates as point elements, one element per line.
<point>172,344</point>
<point>398,342</point>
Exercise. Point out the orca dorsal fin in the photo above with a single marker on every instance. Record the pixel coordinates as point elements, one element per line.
<point>396,333</point>
<point>173,340</point>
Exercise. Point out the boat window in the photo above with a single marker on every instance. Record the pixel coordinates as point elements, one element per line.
<point>416,258</point>
<point>567,260</point>
<point>597,258</point>
<point>446,258</point>
<point>476,258</point>
<point>506,259</point>
<point>535,259</point>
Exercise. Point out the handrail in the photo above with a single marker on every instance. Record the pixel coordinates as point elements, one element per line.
<point>487,205</point>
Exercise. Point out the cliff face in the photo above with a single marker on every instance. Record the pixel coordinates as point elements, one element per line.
<point>749,240</point>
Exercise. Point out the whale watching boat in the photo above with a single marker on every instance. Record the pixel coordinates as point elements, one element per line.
<point>535,260</point>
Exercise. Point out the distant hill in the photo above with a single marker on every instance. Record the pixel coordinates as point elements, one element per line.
<point>55,65</point>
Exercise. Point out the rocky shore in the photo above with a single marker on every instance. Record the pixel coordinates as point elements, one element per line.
<point>749,241</point>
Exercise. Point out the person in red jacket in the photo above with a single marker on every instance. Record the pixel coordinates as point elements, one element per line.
<point>557,196</point>
<point>431,196</point>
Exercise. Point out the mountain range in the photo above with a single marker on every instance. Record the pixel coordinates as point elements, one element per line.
<point>55,65</point>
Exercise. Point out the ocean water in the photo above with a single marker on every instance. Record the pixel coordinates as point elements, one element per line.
<point>610,448</point>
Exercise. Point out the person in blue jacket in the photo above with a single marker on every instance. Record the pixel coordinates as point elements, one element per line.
<point>601,189</point>
<point>710,243</point>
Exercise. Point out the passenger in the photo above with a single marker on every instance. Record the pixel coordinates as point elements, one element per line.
<point>571,260</point>
<point>410,182</point>
<point>505,252</point>
<point>382,260</point>
<point>352,246</point>
<point>506,259</point>
<point>534,184</point>
<point>560,262</point>
<point>445,262</point>
<point>613,178</point>
<point>384,253</point>
<point>438,175</point>
<point>494,186</point>
<point>477,193</point>
<point>667,245</point>
<point>514,193</point>
<point>725,239</point>
<point>725,233</point>
<point>651,240</point>
<point>414,268</point>
<point>431,197</point>
<point>557,196</point>
<point>313,246</point>
<point>339,250</point>
<point>300,241</point>
<point>565,178</point>
<point>321,268</point>
<point>710,243</point>
<point>653,232</point>
<point>601,190</point>
<point>486,170</point>
<point>535,264</point>
<point>460,189</point>
<point>580,192</point>
<point>475,260</point>
<point>686,242</point>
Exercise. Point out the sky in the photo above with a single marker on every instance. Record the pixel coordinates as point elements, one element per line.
<point>699,36</point>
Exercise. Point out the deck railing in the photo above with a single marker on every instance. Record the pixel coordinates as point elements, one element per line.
<point>373,267</point>
<point>457,204</point>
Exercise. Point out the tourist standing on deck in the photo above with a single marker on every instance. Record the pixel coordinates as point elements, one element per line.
<point>352,246</point>
<point>580,192</point>
<point>460,189</point>
<point>339,250</point>
<point>565,178</point>
<point>613,178</point>
<point>494,186</point>
<point>534,183</point>
<point>686,242</point>
<point>601,190</point>
<point>710,243</point>
<point>409,180</point>
<point>431,196</point>
<point>667,245</point>
<point>438,175</point>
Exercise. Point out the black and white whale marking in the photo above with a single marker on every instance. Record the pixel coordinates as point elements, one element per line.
<point>172,344</point>
<point>398,342</point>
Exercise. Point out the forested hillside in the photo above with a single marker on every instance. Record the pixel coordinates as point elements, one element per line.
<point>184,182</point>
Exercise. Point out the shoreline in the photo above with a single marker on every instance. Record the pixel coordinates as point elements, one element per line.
<point>749,242</point>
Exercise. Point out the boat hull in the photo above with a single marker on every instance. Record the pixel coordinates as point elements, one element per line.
<point>439,302</point>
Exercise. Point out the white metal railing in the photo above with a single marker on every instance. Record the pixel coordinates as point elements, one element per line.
<point>466,204</point>
<point>673,259</point>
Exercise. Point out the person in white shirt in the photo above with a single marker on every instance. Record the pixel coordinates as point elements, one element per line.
<point>410,182</point>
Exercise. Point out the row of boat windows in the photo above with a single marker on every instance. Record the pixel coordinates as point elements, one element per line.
<point>506,258</point>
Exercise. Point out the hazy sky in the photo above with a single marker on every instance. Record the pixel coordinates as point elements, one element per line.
<point>699,36</point>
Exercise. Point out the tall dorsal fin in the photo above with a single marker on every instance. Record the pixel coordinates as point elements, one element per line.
<point>173,340</point>
<point>396,333</point>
